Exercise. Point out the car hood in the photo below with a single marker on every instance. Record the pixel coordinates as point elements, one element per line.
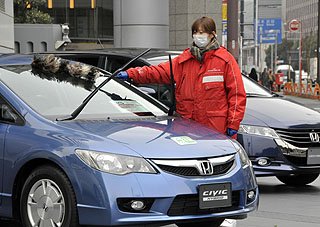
<point>158,138</point>
<point>279,113</point>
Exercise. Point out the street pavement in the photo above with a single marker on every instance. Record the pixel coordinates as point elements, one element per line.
<point>311,103</point>
<point>284,206</point>
<point>280,205</point>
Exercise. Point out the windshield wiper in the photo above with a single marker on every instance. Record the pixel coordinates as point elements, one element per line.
<point>77,111</point>
<point>276,95</point>
<point>255,95</point>
<point>172,86</point>
<point>113,96</point>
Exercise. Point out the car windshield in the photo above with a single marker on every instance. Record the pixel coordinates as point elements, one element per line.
<point>53,98</point>
<point>253,89</point>
<point>160,59</point>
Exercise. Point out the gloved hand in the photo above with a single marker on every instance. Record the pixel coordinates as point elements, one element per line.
<point>123,75</point>
<point>231,132</point>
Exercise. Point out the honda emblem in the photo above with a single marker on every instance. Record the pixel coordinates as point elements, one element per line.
<point>314,137</point>
<point>206,168</point>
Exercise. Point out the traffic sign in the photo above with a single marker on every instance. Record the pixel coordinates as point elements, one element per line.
<point>270,30</point>
<point>294,25</point>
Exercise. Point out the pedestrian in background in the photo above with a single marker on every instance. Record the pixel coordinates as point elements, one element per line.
<point>271,79</point>
<point>209,86</point>
<point>253,74</point>
<point>265,78</point>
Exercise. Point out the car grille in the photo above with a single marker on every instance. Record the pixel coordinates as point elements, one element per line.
<point>298,137</point>
<point>192,171</point>
<point>189,205</point>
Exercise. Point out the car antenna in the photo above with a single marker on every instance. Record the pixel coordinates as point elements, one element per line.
<point>77,111</point>
<point>172,86</point>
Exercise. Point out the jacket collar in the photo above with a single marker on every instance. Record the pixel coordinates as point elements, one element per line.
<point>186,55</point>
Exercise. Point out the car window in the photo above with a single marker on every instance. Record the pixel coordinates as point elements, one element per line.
<point>115,62</point>
<point>51,97</point>
<point>8,114</point>
<point>94,60</point>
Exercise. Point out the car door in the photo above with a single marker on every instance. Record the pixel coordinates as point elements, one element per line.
<point>8,116</point>
<point>3,129</point>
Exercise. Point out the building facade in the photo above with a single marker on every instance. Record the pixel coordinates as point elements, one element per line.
<point>132,23</point>
<point>253,51</point>
<point>141,23</point>
<point>184,12</point>
<point>36,37</point>
<point>6,27</point>
<point>306,12</point>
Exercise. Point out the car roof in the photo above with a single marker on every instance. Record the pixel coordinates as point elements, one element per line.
<point>284,67</point>
<point>135,51</point>
<point>16,59</point>
<point>20,59</point>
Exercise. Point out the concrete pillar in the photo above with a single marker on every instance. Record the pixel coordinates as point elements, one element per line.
<point>6,27</point>
<point>233,30</point>
<point>141,23</point>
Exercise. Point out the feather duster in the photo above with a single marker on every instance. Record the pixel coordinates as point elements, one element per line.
<point>55,68</point>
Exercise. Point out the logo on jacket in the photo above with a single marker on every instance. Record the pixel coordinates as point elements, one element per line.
<point>214,70</point>
<point>314,137</point>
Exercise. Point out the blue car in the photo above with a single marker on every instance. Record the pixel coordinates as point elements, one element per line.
<point>281,138</point>
<point>117,159</point>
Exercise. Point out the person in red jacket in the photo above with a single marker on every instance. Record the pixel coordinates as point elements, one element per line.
<point>209,86</point>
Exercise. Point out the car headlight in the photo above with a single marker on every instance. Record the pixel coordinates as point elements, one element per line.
<point>114,163</point>
<point>244,159</point>
<point>258,130</point>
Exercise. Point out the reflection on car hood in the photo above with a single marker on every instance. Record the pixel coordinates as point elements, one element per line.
<point>280,113</point>
<point>155,139</point>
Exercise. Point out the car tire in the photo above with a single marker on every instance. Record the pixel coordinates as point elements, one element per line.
<point>298,179</point>
<point>47,199</point>
<point>213,223</point>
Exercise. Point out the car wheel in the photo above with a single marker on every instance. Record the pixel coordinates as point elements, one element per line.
<point>213,223</point>
<point>298,179</point>
<point>47,199</point>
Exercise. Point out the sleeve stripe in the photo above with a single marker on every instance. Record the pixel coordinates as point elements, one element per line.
<point>235,107</point>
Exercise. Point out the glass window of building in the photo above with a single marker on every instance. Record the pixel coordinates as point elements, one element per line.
<point>87,19</point>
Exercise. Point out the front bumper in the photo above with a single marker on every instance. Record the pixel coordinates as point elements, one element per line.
<point>282,158</point>
<point>98,193</point>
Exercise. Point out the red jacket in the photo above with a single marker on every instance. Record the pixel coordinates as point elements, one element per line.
<point>211,93</point>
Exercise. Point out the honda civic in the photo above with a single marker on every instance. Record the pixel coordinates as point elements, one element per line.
<point>78,147</point>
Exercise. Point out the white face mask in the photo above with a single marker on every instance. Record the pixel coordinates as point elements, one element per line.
<point>201,40</point>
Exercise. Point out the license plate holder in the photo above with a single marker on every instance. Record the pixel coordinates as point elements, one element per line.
<point>215,195</point>
<point>313,156</point>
